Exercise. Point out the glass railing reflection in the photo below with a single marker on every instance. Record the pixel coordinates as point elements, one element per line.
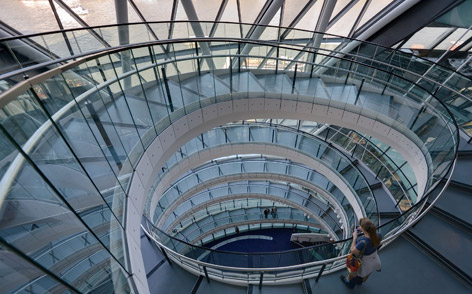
<point>304,143</point>
<point>251,167</point>
<point>434,78</point>
<point>84,97</point>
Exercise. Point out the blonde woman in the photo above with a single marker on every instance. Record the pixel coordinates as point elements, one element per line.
<point>365,246</point>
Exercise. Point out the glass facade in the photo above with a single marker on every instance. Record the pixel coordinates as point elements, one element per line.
<point>83,109</point>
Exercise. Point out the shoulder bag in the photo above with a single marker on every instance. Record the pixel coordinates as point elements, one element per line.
<point>354,262</point>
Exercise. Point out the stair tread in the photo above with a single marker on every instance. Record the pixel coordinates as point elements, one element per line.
<point>453,243</point>
<point>463,168</point>
<point>457,202</point>
<point>311,87</point>
<point>342,92</point>
<point>172,278</point>
<point>405,269</point>
<point>277,83</point>
<point>207,85</point>
<point>279,289</point>
<point>180,94</point>
<point>241,81</point>
<point>218,287</point>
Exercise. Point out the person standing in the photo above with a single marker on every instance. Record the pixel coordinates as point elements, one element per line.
<point>266,212</point>
<point>365,246</point>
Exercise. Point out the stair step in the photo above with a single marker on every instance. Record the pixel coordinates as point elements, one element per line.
<point>375,102</point>
<point>339,92</point>
<point>452,219</point>
<point>405,269</point>
<point>452,243</point>
<point>279,289</point>
<point>439,257</point>
<point>457,200</point>
<point>279,83</point>
<point>311,87</point>
<point>180,94</point>
<point>242,82</point>
<point>249,289</point>
<point>206,85</point>
<point>463,168</point>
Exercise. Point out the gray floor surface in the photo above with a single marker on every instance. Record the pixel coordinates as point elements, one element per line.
<point>405,269</point>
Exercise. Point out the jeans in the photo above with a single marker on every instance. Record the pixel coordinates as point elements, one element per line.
<point>354,281</point>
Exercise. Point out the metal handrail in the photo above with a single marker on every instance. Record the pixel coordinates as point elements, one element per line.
<point>334,148</point>
<point>398,169</point>
<point>420,75</point>
<point>148,222</point>
<point>384,242</point>
<point>269,177</point>
<point>87,57</point>
<point>42,77</point>
<point>37,79</point>
<point>242,269</point>
<point>23,86</point>
<point>451,167</point>
<point>130,24</point>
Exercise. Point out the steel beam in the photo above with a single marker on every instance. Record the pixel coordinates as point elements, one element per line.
<point>260,26</point>
<point>197,29</point>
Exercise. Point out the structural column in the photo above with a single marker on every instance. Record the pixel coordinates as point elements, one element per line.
<point>197,29</point>
<point>326,12</point>
<point>121,9</point>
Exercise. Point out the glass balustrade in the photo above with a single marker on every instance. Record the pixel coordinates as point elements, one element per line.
<point>198,231</point>
<point>287,194</point>
<point>303,143</point>
<point>29,278</point>
<point>198,213</point>
<point>253,260</point>
<point>382,160</point>
<point>238,205</point>
<point>428,133</point>
<point>250,168</point>
<point>387,164</point>
<point>71,139</point>
<point>450,86</point>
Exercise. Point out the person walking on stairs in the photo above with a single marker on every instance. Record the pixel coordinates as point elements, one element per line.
<point>365,247</point>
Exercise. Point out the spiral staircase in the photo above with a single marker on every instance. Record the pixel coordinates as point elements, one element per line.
<point>120,165</point>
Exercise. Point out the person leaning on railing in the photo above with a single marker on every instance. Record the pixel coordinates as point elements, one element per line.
<point>365,247</point>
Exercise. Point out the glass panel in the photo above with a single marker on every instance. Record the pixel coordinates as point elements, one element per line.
<point>41,212</point>
<point>291,10</point>
<point>181,14</point>
<point>454,40</point>
<point>340,5</point>
<point>133,17</point>
<point>310,19</point>
<point>374,8</point>
<point>155,10</point>
<point>207,10</point>
<point>344,25</point>
<point>275,21</point>
<point>28,17</point>
<point>96,13</point>
<point>231,12</point>
<point>426,38</point>
<point>19,276</point>
<point>250,10</point>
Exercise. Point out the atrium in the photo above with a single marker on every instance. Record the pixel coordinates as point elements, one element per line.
<point>210,146</point>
